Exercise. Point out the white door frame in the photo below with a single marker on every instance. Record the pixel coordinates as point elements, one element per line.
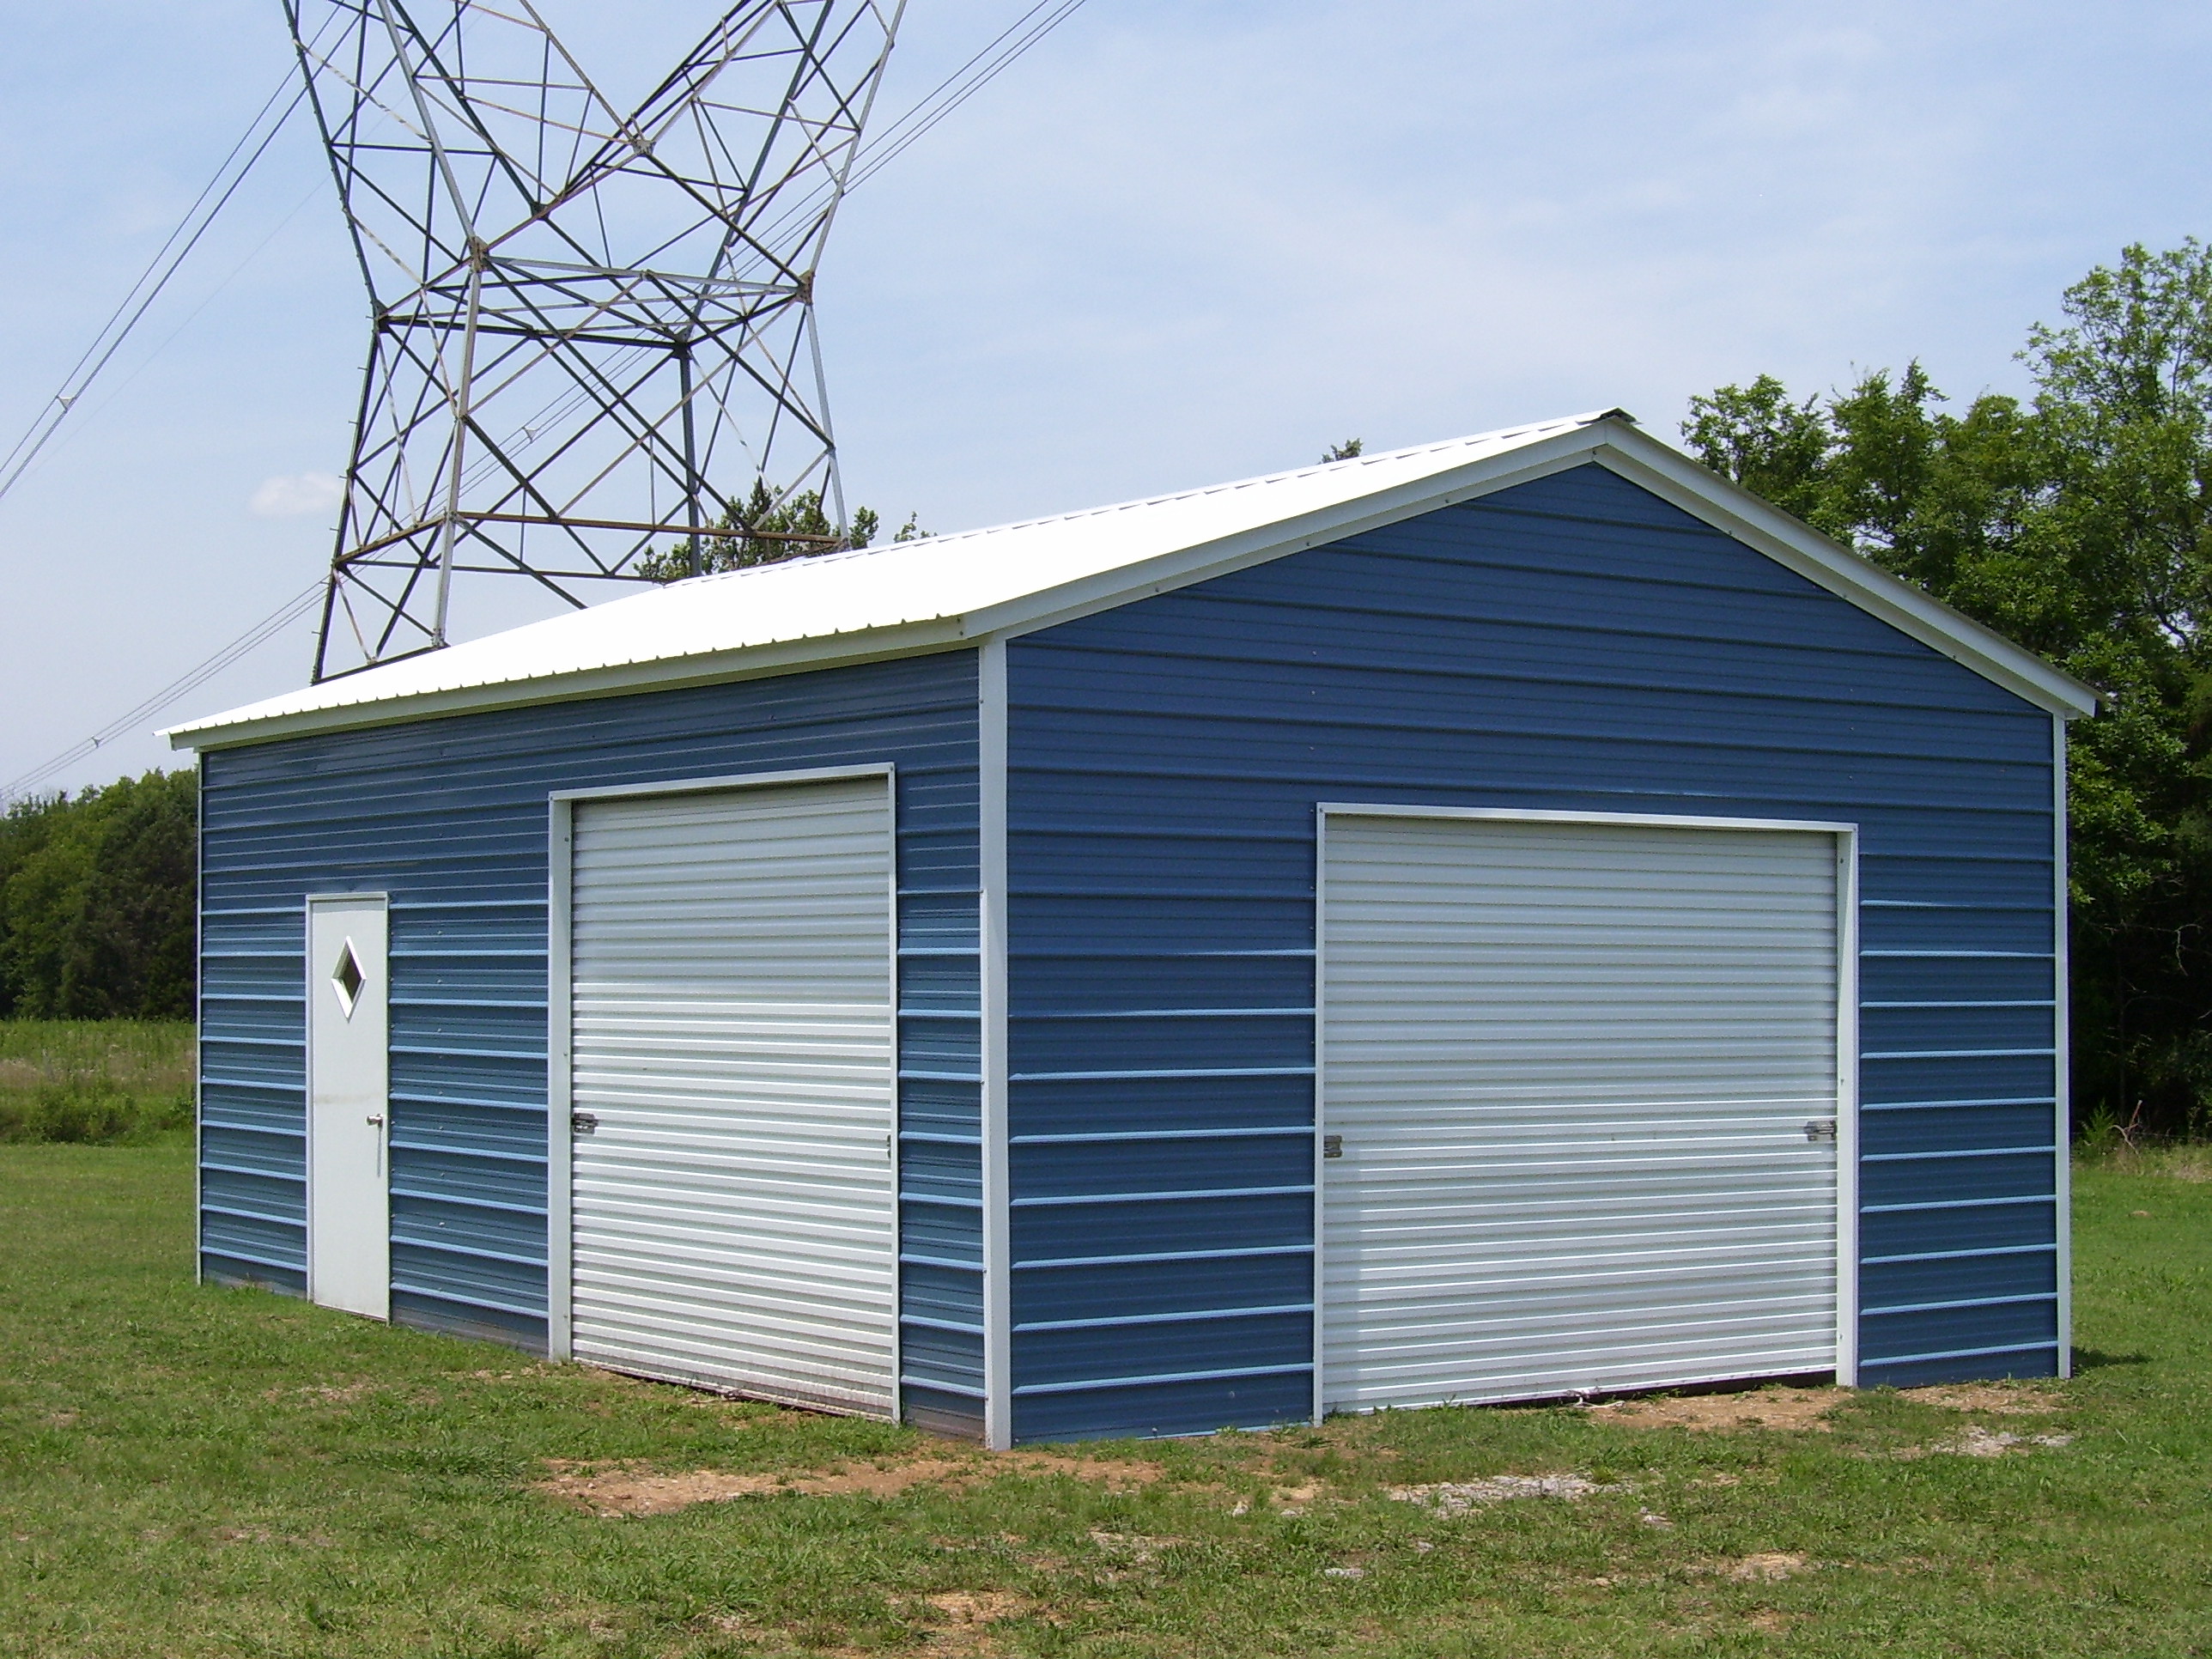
<point>1846,836</point>
<point>319,997</point>
<point>560,1060</point>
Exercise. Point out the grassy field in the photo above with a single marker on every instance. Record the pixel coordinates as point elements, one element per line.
<point>200,1472</point>
<point>108,1081</point>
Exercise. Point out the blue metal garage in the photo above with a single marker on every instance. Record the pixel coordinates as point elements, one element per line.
<point>1506,918</point>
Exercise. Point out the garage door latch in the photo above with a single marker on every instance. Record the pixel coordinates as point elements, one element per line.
<point>1820,1129</point>
<point>1331,1146</point>
<point>583,1123</point>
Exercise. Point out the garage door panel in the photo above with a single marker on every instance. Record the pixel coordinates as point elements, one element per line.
<point>1572,1069</point>
<point>735,1206</point>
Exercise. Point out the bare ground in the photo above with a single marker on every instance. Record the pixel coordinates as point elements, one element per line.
<point>628,1489</point>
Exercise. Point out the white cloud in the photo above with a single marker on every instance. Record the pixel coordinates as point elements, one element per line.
<point>298,493</point>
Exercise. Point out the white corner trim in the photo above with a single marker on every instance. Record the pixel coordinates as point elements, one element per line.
<point>2063,1048</point>
<point>1847,1107</point>
<point>998,1218</point>
<point>559,1078</point>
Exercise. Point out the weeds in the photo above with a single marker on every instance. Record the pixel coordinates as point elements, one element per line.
<point>97,1082</point>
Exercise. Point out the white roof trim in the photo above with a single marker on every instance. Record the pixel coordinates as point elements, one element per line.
<point>932,595</point>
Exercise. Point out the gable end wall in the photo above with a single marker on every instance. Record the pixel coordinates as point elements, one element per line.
<point>1571,644</point>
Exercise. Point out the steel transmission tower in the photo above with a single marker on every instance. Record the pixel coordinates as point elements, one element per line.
<point>592,329</point>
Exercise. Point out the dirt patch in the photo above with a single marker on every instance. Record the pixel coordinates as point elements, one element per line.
<point>1768,1622</point>
<point>960,1621</point>
<point>1788,1410</point>
<point>2008,1400</point>
<point>1457,1497</point>
<point>1294,1500</point>
<point>1974,1441</point>
<point>329,1394</point>
<point>1136,1548</point>
<point>1115,1474</point>
<point>627,1489</point>
<point>979,1607</point>
<point>1767,1567</point>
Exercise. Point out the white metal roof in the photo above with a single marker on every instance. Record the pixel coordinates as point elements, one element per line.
<point>925,595</point>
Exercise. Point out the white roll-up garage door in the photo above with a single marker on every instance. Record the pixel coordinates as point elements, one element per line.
<point>1583,1077</point>
<point>733,1199</point>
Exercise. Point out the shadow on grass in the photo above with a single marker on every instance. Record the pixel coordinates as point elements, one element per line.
<point>2096,1359</point>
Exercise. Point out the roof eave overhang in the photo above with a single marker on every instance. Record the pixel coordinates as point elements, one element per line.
<point>656,674</point>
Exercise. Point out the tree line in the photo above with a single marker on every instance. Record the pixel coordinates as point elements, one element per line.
<point>97,901</point>
<point>2078,521</point>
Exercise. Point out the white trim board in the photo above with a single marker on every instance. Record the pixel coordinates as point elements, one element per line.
<point>946,593</point>
<point>998,1215</point>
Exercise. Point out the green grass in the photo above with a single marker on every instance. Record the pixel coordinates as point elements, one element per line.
<point>108,1081</point>
<point>190,1470</point>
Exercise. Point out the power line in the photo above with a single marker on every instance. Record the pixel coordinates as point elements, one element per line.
<point>895,143</point>
<point>956,89</point>
<point>151,281</point>
<point>178,689</point>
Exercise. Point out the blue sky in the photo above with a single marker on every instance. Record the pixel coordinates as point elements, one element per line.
<point>1178,242</point>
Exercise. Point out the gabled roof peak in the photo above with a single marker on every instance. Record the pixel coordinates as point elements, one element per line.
<point>900,598</point>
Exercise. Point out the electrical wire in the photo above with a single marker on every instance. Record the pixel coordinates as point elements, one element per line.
<point>151,281</point>
<point>931,107</point>
<point>876,156</point>
<point>920,119</point>
<point>178,689</point>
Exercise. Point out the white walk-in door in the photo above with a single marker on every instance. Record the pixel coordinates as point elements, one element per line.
<point>348,1193</point>
<point>1579,1097</point>
<point>733,1077</point>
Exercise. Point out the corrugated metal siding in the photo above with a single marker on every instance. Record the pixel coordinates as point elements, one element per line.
<point>1573,644</point>
<point>450,818</point>
<point>1568,1069</point>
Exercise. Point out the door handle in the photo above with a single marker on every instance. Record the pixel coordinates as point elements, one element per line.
<point>376,1122</point>
<point>1820,1129</point>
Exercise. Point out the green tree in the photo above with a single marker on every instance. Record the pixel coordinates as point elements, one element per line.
<point>2080,523</point>
<point>97,901</point>
<point>762,531</point>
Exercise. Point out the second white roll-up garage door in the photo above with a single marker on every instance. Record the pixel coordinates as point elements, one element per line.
<point>1580,1083</point>
<point>733,1198</point>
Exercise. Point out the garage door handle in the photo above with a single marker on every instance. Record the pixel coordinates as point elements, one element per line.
<point>583,1123</point>
<point>1331,1146</point>
<point>1820,1129</point>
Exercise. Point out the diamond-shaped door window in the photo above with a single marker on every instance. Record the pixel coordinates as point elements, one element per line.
<point>347,978</point>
